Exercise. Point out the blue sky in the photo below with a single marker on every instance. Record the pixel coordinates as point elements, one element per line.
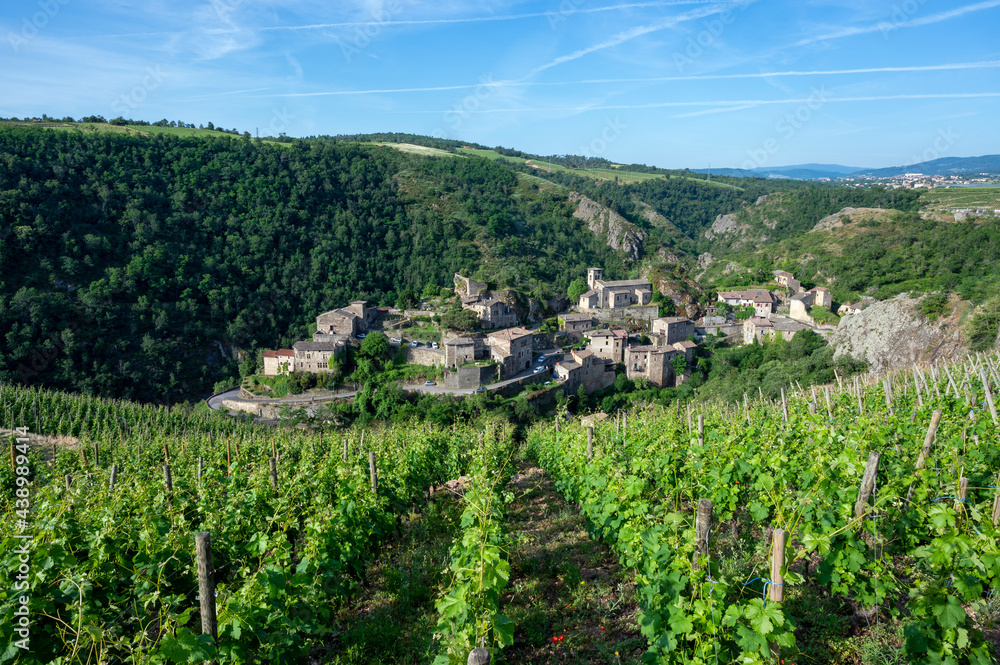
<point>675,83</point>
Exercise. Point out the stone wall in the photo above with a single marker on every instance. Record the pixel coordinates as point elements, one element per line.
<point>424,356</point>
<point>469,377</point>
<point>516,385</point>
<point>639,313</point>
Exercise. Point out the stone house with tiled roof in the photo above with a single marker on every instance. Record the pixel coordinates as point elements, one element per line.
<point>614,294</point>
<point>314,357</point>
<point>762,300</point>
<point>350,320</point>
<point>585,369</point>
<point>609,344</point>
<point>575,326</point>
<point>512,349</point>
<point>279,362</point>
<point>493,312</point>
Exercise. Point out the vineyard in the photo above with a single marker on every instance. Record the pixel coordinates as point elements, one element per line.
<point>157,535</point>
<point>881,495</point>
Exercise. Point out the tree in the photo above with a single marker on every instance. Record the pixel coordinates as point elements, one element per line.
<point>680,364</point>
<point>460,319</point>
<point>576,289</point>
<point>406,298</point>
<point>431,290</point>
<point>374,347</point>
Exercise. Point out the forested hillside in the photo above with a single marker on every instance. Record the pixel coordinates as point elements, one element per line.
<point>136,266</point>
<point>149,266</point>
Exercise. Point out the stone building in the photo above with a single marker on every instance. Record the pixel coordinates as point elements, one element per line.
<point>278,362</point>
<point>609,344</point>
<point>760,328</point>
<point>673,329</point>
<point>460,351</point>
<point>787,280</point>
<point>821,296</point>
<point>856,307</point>
<point>587,370</point>
<point>350,320</point>
<point>762,301</point>
<point>656,363</point>
<point>798,306</point>
<point>466,287</point>
<point>512,349</point>
<point>608,294</point>
<point>314,357</point>
<point>494,313</point>
<point>575,326</point>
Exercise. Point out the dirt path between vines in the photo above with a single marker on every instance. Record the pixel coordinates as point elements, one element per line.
<point>563,584</point>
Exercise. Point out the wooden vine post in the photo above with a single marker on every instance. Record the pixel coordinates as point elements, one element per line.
<point>867,484</point>
<point>168,481</point>
<point>273,463</point>
<point>777,582</point>
<point>996,502</point>
<point>373,471</point>
<point>857,389</point>
<point>989,396</point>
<point>784,406</point>
<point>701,429</point>
<point>590,443</point>
<point>777,586</point>
<point>702,527</point>
<point>206,585</point>
<point>925,451</point>
<point>113,478</point>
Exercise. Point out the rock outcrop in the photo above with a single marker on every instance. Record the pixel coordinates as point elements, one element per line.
<point>619,233</point>
<point>894,334</point>
<point>682,293</point>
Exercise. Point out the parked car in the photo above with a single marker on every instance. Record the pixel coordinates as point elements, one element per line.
<point>538,369</point>
<point>362,335</point>
<point>396,340</point>
<point>429,383</point>
<point>541,358</point>
<point>481,389</point>
<point>435,345</point>
<point>414,344</point>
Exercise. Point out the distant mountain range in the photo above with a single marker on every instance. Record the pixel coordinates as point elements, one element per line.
<point>945,166</point>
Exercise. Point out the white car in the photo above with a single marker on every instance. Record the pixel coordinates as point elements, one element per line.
<point>396,340</point>
<point>538,369</point>
<point>435,345</point>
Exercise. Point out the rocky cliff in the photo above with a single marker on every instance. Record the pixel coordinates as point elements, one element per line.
<point>618,232</point>
<point>895,334</point>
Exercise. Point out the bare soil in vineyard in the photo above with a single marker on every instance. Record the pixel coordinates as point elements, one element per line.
<point>392,618</point>
<point>564,585</point>
<point>43,444</point>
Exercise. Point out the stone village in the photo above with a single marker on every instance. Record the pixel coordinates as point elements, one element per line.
<point>662,353</point>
